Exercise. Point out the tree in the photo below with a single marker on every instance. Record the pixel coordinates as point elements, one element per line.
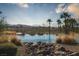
<point>59,24</point>
<point>66,18</point>
<point>68,21</point>
<point>49,21</point>
<point>73,23</point>
<point>77,27</point>
<point>3,23</point>
<point>65,15</point>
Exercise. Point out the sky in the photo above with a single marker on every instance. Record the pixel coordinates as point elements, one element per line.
<point>36,13</point>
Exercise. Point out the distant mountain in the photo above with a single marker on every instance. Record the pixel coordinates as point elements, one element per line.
<point>23,26</point>
<point>30,29</point>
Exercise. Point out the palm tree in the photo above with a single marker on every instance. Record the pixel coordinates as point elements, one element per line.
<point>68,21</point>
<point>65,16</point>
<point>49,21</point>
<point>73,23</point>
<point>59,24</point>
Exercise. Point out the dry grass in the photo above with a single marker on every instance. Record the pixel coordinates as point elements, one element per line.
<point>68,38</point>
<point>7,45</point>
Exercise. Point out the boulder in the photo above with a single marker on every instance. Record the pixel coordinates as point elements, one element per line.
<point>60,48</point>
<point>60,53</point>
<point>74,54</point>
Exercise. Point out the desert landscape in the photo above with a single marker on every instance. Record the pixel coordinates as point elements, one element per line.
<point>39,29</point>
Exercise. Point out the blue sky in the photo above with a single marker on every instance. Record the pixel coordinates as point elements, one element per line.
<point>33,13</point>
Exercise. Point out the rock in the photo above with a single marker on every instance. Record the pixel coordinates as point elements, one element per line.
<point>60,48</point>
<point>60,53</point>
<point>74,54</point>
<point>69,52</point>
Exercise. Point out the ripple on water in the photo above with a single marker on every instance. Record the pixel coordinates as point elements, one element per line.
<point>37,38</point>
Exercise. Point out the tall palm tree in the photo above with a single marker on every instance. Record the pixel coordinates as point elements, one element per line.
<point>59,24</point>
<point>73,23</point>
<point>49,21</point>
<point>65,16</point>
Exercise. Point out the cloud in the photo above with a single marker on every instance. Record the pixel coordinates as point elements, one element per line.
<point>25,5</point>
<point>73,8</point>
<point>60,8</point>
<point>70,8</point>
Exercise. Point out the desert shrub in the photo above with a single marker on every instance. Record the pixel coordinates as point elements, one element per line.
<point>16,42</point>
<point>7,39</point>
<point>58,41</point>
<point>3,39</point>
<point>69,41</point>
<point>66,39</point>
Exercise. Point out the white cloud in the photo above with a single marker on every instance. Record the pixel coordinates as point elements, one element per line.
<point>73,8</point>
<point>60,8</point>
<point>25,5</point>
<point>70,8</point>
